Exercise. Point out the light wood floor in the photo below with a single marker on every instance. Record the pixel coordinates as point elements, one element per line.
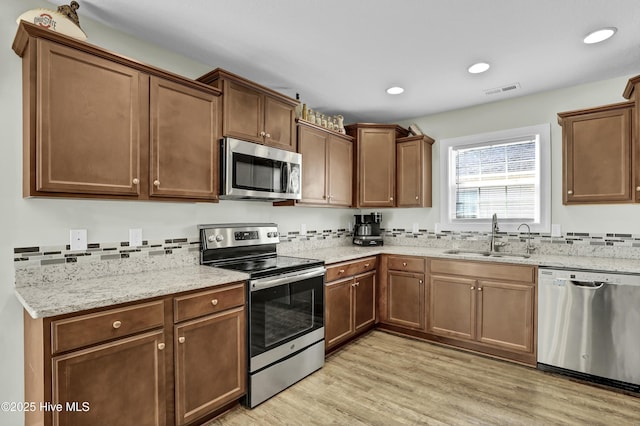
<point>383,379</point>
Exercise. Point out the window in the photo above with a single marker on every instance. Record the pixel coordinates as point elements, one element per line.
<point>505,172</point>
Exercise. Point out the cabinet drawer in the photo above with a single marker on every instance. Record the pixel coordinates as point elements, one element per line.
<point>404,263</point>
<point>347,269</point>
<point>76,332</point>
<point>488,270</point>
<point>207,302</point>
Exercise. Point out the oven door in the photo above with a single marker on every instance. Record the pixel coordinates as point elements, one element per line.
<point>258,171</point>
<point>286,314</point>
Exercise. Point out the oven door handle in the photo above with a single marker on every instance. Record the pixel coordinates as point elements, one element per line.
<point>262,283</point>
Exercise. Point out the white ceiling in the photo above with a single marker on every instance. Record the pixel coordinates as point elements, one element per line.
<point>341,55</point>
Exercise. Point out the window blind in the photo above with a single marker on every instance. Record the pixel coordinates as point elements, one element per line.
<point>500,178</point>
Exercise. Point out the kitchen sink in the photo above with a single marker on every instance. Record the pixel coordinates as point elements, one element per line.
<point>483,253</point>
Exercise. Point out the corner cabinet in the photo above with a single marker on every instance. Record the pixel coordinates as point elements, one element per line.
<point>598,149</point>
<point>375,163</point>
<point>98,125</point>
<point>487,307</point>
<point>403,290</point>
<point>413,164</point>
<point>253,112</point>
<point>327,166</point>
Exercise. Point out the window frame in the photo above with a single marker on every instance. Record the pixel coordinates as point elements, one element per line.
<point>448,185</point>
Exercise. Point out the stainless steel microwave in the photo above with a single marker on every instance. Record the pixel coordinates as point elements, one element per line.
<point>259,172</point>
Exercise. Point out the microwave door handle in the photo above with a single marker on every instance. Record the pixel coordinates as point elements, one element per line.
<point>285,177</point>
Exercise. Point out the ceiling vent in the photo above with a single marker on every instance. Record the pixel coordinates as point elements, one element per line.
<point>503,89</point>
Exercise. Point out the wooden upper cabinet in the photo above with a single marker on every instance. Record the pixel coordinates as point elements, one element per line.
<point>90,124</point>
<point>375,163</point>
<point>184,141</point>
<point>327,166</point>
<point>413,161</point>
<point>253,112</point>
<point>99,125</point>
<point>597,147</point>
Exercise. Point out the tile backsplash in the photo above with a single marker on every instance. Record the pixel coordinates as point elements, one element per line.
<point>40,264</point>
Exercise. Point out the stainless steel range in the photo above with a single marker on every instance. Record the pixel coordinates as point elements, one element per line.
<point>286,304</point>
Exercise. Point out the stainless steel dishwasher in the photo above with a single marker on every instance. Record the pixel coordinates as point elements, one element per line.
<point>589,325</point>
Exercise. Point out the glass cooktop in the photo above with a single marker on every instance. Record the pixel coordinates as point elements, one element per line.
<point>261,267</point>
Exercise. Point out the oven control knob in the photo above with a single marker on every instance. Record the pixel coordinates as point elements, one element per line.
<point>219,238</point>
<point>215,238</point>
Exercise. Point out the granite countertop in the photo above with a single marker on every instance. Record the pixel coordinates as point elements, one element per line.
<point>345,253</point>
<point>52,299</point>
<point>66,297</point>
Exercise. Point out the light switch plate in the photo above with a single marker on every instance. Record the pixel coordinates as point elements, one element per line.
<point>78,239</point>
<point>135,237</point>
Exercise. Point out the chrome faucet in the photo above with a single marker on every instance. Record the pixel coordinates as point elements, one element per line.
<point>494,230</point>
<point>530,248</point>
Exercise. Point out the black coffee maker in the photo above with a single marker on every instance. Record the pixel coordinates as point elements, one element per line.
<point>366,231</point>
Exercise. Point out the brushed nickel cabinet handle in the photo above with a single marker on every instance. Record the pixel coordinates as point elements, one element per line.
<point>473,288</point>
<point>136,181</point>
<point>160,346</point>
<point>156,182</point>
<point>214,302</point>
<point>570,192</point>
<point>341,271</point>
<point>357,284</point>
<point>404,263</point>
<point>366,265</point>
<point>390,198</point>
<point>638,188</point>
<point>479,288</point>
<point>117,324</point>
<point>263,133</point>
<point>416,197</point>
<point>420,282</point>
<point>267,135</point>
<point>181,339</point>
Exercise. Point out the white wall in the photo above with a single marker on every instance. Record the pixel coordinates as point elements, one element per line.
<point>521,112</point>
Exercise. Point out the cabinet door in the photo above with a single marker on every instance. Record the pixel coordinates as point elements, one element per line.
<point>184,141</point>
<point>279,124</point>
<point>405,299</point>
<point>597,157</point>
<point>90,122</point>
<point>505,315</point>
<point>210,364</point>
<point>243,112</point>
<point>340,172</point>
<point>364,300</point>
<point>122,383</point>
<point>312,145</point>
<point>452,306</point>
<point>409,174</point>
<point>338,318</point>
<point>376,167</point>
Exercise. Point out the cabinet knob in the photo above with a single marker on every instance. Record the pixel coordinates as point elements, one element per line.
<point>160,346</point>
<point>420,282</point>
<point>341,271</point>
<point>366,265</point>
<point>181,339</point>
<point>638,188</point>
<point>390,198</point>
<point>263,134</point>
<point>473,288</point>
<point>267,135</point>
<point>404,263</point>
<point>117,324</point>
<point>357,283</point>
<point>136,181</point>
<point>214,302</point>
<point>156,182</point>
<point>479,288</point>
<point>324,197</point>
<point>416,197</point>
<point>570,192</point>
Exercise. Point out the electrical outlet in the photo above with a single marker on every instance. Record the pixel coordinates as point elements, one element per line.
<point>555,230</point>
<point>414,228</point>
<point>78,239</point>
<point>437,228</point>
<point>303,229</point>
<point>135,237</point>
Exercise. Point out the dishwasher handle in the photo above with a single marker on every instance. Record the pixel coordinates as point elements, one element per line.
<point>587,285</point>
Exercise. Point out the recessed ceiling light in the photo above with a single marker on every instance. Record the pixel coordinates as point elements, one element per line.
<point>600,35</point>
<point>395,90</point>
<point>478,68</point>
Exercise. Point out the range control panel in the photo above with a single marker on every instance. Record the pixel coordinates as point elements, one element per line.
<point>225,236</point>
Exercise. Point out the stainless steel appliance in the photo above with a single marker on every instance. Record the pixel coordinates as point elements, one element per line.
<point>285,304</point>
<point>588,325</point>
<point>366,231</point>
<point>252,171</point>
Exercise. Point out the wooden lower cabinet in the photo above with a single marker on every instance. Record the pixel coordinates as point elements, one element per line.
<point>118,383</point>
<point>406,301</point>
<point>350,307</point>
<point>122,365</point>
<point>488,307</point>
<point>210,363</point>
